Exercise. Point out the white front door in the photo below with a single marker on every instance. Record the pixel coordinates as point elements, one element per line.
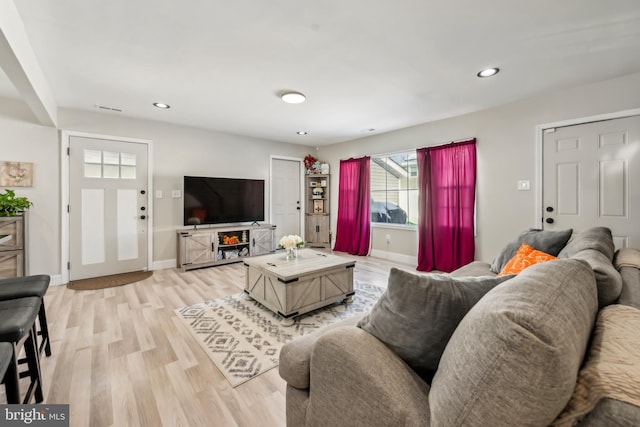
<point>286,208</point>
<point>591,177</point>
<point>108,207</point>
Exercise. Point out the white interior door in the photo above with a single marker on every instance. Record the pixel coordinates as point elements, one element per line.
<point>108,207</point>
<point>286,208</point>
<point>591,174</point>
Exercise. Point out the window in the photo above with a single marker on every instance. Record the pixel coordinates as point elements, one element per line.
<point>109,164</point>
<point>394,189</point>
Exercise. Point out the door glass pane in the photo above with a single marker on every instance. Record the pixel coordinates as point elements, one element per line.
<point>92,171</point>
<point>128,159</point>
<point>111,158</point>
<point>93,156</point>
<point>128,172</point>
<point>111,171</point>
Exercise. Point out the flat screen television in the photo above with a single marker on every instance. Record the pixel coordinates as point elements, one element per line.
<point>222,200</point>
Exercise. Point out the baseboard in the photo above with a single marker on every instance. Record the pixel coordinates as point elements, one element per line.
<point>161,265</point>
<point>395,257</point>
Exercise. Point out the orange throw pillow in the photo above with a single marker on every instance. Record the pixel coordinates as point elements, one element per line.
<point>525,257</point>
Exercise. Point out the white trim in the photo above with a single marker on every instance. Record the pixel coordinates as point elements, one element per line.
<point>164,264</point>
<point>539,132</point>
<point>64,194</point>
<point>302,189</point>
<point>56,280</point>
<point>395,257</point>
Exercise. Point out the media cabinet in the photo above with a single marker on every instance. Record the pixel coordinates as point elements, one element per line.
<point>206,247</point>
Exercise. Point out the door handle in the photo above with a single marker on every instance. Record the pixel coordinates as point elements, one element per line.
<point>143,217</point>
<point>549,221</point>
<point>142,208</point>
<point>549,209</point>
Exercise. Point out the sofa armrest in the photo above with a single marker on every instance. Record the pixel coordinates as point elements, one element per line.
<point>475,269</point>
<point>295,357</point>
<point>357,380</point>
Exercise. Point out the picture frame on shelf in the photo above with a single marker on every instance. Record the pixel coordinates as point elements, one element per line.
<point>318,206</point>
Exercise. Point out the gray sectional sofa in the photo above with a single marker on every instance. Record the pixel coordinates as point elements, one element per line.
<point>539,348</point>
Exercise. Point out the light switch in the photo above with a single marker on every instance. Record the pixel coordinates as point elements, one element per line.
<point>176,194</point>
<point>158,194</point>
<point>524,185</point>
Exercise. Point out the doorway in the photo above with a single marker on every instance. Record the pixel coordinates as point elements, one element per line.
<point>589,173</point>
<point>286,196</point>
<point>107,216</point>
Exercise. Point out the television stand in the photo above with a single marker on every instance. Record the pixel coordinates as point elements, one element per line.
<point>207,247</point>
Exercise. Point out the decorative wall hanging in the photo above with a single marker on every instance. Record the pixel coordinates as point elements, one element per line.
<point>16,174</point>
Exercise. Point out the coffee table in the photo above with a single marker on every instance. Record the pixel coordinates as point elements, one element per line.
<point>291,288</point>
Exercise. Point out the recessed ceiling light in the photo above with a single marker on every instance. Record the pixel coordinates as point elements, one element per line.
<point>293,97</point>
<point>161,105</point>
<point>301,132</point>
<point>488,72</point>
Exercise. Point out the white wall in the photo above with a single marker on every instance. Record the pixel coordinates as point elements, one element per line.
<point>177,151</point>
<point>506,153</point>
<point>22,140</point>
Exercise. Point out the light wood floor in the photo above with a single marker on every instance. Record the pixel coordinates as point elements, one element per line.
<point>121,358</point>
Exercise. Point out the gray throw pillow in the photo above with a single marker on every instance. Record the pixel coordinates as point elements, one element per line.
<point>547,241</point>
<point>514,358</point>
<point>417,314</point>
<point>595,245</point>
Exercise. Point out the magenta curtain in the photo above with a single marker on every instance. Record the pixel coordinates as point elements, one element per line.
<point>447,190</point>
<point>353,230</point>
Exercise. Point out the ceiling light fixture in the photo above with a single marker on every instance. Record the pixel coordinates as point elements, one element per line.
<point>301,132</point>
<point>488,72</point>
<point>293,97</point>
<point>161,105</point>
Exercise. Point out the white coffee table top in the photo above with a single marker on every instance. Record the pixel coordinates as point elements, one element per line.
<point>308,261</point>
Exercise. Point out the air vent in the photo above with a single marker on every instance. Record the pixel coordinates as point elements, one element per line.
<point>104,107</point>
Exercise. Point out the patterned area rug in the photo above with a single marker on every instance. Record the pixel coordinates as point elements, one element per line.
<point>244,339</point>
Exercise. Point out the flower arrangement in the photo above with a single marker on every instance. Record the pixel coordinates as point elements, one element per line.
<point>309,161</point>
<point>291,241</point>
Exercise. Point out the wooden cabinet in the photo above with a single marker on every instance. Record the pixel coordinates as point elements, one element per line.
<point>207,247</point>
<point>13,247</point>
<point>317,219</point>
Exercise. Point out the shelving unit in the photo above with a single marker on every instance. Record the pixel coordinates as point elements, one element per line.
<point>206,247</point>
<point>13,248</point>
<point>317,219</point>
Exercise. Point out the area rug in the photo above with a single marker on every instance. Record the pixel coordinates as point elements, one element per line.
<point>108,281</point>
<point>244,339</point>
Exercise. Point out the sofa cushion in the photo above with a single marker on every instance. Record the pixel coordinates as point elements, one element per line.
<point>417,314</point>
<point>525,257</point>
<point>514,358</point>
<point>547,241</point>
<point>595,246</point>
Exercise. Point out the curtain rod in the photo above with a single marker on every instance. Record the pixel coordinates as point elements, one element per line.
<point>391,153</point>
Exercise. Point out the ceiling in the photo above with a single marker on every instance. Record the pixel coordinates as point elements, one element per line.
<point>366,66</point>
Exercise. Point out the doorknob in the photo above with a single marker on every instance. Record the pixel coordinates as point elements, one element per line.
<point>549,220</point>
<point>142,208</point>
<point>143,217</point>
<point>549,209</point>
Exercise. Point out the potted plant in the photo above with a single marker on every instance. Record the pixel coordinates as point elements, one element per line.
<point>10,205</point>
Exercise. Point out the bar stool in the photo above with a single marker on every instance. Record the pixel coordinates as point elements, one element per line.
<point>18,327</point>
<point>30,286</point>
<point>8,372</point>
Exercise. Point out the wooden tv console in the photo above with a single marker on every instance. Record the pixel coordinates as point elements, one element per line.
<point>206,247</point>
